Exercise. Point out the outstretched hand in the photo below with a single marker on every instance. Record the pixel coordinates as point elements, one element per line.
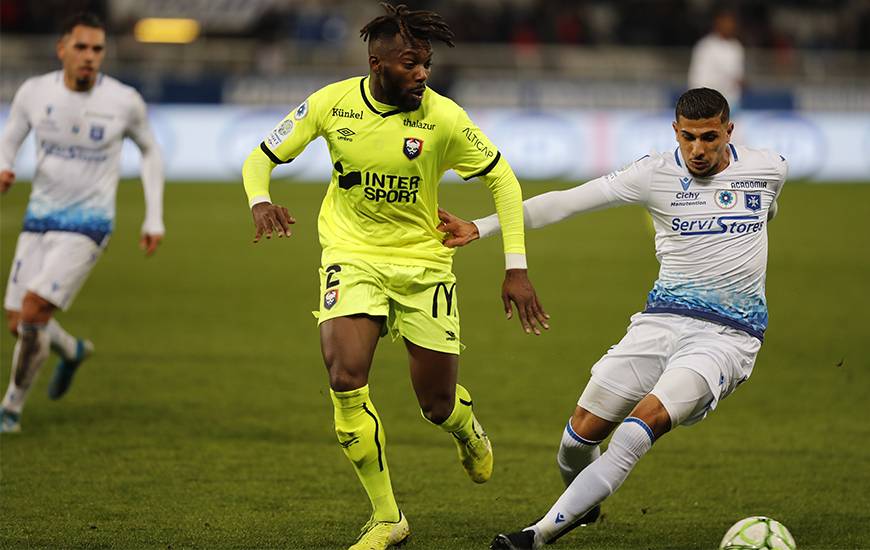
<point>459,232</point>
<point>517,288</point>
<point>270,217</point>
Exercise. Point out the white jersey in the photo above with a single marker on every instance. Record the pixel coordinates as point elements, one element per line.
<point>78,138</point>
<point>718,63</point>
<point>711,232</point>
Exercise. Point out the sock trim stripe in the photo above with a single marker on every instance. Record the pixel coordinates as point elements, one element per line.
<point>643,425</point>
<point>464,402</point>
<point>377,441</point>
<point>578,438</point>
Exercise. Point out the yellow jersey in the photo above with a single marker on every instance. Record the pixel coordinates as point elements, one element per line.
<point>382,201</point>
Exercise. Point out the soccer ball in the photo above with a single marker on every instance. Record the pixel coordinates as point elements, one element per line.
<point>757,533</point>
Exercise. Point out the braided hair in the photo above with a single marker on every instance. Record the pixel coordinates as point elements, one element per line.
<point>413,26</point>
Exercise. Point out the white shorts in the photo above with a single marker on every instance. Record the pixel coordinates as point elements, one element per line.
<point>53,265</point>
<point>660,342</point>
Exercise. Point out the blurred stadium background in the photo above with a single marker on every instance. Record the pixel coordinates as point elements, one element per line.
<point>203,420</point>
<point>544,78</point>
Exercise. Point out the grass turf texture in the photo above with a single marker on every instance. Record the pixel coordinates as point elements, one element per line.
<point>204,418</point>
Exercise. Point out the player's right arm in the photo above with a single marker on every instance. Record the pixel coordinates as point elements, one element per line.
<point>284,143</point>
<point>626,186</point>
<point>16,129</point>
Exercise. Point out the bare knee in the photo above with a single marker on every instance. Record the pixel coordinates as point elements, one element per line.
<point>35,309</point>
<point>345,374</point>
<point>651,411</point>
<point>437,409</point>
<point>590,426</point>
<point>12,320</point>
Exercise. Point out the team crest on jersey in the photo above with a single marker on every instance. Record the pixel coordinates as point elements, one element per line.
<point>330,298</point>
<point>413,147</point>
<point>726,199</point>
<point>301,111</point>
<point>753,201</point>
<point>97,132</point>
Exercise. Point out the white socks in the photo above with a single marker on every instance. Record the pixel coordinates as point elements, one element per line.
<point>31,351</point>
<point>631,440</point>
<point>575,453</point>
<point>62,342</point>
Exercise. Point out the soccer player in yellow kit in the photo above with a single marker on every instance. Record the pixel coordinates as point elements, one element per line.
<point>384,267</point>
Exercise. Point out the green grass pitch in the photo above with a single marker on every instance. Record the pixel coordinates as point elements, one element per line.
<point>204,421</point>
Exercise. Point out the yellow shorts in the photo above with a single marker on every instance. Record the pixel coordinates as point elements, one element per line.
<point>419,303</point>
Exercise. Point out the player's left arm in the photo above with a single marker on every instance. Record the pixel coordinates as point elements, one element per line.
<point>782,170</point>
<point>153,182</point>
<point>625,186</point>
<point>471,155</point>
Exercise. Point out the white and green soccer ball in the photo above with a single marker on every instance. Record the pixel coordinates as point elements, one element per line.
<point>757,533</point>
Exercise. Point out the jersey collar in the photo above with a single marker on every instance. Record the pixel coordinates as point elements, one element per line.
<point>678,157</point>
<point>373,104</point>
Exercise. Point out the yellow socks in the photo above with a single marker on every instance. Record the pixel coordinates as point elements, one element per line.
<point>361,436</point>
<point>460,421</point>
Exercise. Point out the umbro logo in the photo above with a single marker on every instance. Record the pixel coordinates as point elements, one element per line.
<point>345,134</point>
<point>349,442</point>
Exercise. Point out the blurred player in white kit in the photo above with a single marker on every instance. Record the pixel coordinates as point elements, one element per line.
<point>80,118</point>
<point>719,61</point>
<point>704,321</point>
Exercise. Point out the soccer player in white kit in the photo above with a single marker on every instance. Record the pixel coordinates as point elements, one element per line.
<point>80,118</point>
<point>718,60</point>
<point>705,317</point>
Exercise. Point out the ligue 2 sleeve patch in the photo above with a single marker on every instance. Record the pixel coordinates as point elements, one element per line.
<point>280,133</point>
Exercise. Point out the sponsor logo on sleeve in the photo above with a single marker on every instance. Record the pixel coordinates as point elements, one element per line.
<point>726,199</point>
<point>753,201</point>
<point>412,147</point>
<point>477,143</point>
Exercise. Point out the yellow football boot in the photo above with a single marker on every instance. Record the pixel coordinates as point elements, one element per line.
<point>475,453</point>
<point>380,535</point>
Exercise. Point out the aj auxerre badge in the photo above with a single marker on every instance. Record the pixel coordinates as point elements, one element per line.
<point>412,148</point>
